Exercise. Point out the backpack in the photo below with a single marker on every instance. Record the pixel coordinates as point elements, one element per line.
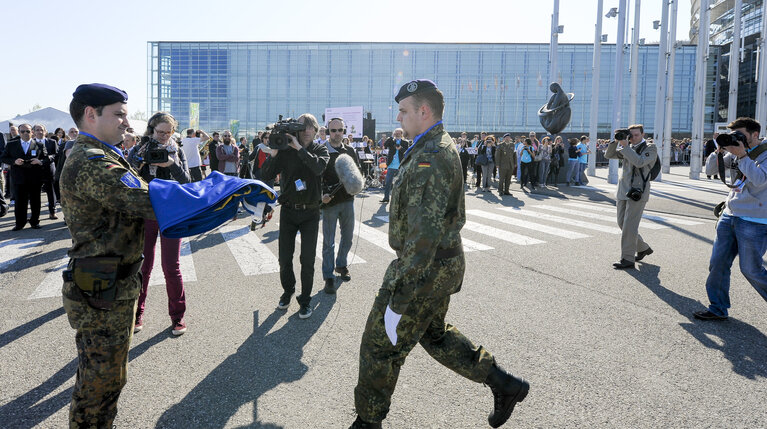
<point>655,169</point>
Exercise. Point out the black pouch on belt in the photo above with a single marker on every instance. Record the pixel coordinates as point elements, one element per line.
<point>96,277</point>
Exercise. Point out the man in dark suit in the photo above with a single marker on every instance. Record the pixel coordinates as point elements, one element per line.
<point>3,201</point>
<point>26,158</point>
<point>49,167</point>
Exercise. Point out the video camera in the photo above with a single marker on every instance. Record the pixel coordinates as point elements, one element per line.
<point>731,139</point>
<point>155,152</point>
<point>278,138</point>
<point>622,134</point>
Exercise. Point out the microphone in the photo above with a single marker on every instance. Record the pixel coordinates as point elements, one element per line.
<point>349,175</point>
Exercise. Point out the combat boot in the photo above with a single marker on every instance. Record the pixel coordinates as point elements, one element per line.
<point>507,391</point>
<point>361,424</point>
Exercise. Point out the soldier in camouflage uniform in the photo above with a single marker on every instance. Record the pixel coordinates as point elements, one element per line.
<point>104,203</point>
<point>425,220</point>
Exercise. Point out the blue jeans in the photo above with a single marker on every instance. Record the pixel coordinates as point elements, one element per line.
<point>390,175</point>
<point>344,212</point>
<point>748,240</point>
<point>573,171</point>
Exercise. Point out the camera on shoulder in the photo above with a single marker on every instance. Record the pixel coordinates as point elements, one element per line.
<point>278,136</point>
<point>155,153</point>
<point>731,139</point>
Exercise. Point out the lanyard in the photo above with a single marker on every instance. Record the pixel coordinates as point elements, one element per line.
<point>418,137</point>
<point>116,150</point>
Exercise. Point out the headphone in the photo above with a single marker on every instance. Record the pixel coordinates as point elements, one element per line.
<point>336,119</point>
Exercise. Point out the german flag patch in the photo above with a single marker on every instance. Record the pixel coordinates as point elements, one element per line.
<point>424,164</point>
<point>111,166</point>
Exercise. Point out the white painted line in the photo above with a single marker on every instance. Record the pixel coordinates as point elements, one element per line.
<point>352,257</point>
<point>471,246</point>
<point>596,216</point>
<point>51,285</point>
<point>380,239</point>
<point>656,218</point>
<point>186,264</point>
<point>559,232</point>
<point>15,249</point>
<point>249,251</point>
<point>501,234</point>
<point>562,220</point>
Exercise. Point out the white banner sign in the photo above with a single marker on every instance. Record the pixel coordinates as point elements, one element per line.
<point>352,117</point>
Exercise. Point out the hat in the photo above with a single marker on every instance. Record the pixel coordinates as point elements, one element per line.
<point>99,94</point>
<point>415,87</point>
<point>506,135</point>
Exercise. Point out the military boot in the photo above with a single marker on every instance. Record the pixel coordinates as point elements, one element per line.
<point>507,391</point>
<point>361,424</point>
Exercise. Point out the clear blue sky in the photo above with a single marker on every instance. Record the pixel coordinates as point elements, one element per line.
<point>53,45</point>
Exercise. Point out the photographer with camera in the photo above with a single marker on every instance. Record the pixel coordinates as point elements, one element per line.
<point>742,227</point>
<point>300,163</point>
<point>159,157</point>
<point>633,190</point>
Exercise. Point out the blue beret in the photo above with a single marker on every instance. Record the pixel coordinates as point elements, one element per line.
<point>415,87</point>
<point>98,94</point>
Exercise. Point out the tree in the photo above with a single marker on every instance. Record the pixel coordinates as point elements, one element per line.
<point>35,108</point>
<point>138,115</point>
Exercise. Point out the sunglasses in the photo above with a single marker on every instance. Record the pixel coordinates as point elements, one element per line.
<point>25,131</point>
<point>333,130</point>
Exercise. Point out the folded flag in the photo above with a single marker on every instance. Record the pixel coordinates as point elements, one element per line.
<point>188,209</point>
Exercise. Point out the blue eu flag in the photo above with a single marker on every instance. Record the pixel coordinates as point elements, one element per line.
<point>188,209</point>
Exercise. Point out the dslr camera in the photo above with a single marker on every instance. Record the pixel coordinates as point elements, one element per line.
<point>731,139</point>
<point>634,194</point>
<point>278,138</point>
<point>622,134</point>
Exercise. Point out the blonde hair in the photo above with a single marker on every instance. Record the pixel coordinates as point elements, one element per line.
<point>160,118</point>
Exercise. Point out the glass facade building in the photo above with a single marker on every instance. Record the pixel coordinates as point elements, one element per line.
<point>494,87</point>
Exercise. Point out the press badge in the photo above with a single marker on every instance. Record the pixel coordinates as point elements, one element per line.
<point>300,186</point>
<point>738,185</point>
<point>33,152</point>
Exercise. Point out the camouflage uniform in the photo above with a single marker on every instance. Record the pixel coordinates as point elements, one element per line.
<point>427,213</point>
<point>104,204</point>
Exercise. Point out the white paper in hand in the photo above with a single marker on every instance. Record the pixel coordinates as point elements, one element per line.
<point>391,320</point>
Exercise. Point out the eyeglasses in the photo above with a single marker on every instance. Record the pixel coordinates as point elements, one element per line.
<point>163,133</point>
<point>334,130</point>
<point>25,131</point>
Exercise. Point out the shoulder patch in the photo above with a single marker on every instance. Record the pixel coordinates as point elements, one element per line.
<point>94,152</point>
<point>130,180</point>
<point>424,164</point>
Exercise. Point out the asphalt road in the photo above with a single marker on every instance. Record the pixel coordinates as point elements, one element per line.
<point>600,348</point>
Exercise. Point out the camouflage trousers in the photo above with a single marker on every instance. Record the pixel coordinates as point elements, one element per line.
<point>103,340</point>
<point>424,323</point>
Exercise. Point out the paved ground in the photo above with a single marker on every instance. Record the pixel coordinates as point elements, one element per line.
<point>601,348</point>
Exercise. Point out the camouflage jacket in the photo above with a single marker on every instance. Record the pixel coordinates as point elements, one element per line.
<point>104,203</point>
<point>427,213</point>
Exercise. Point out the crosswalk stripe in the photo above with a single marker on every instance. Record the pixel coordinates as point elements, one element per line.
<point>501,234</point>
<point>468,245</point>
<point>13,250</point>
<point>595,216</point>
<point>528,225</point>
<point>249,251</point>
<point>352,257</point>
<point>645,216</point>
<point>186,264</point>
<point>51,285</point>
<point>380,239</point>
<point>563,220</point>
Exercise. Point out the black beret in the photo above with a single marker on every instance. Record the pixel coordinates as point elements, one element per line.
<point>415,87</point>
<point>98,94</point>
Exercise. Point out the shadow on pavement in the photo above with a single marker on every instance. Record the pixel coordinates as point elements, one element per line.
<point>21,330</point>
<point>742,344</point>
<point>264,361</point>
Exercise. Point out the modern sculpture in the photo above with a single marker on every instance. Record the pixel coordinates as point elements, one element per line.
<point>555,115</point>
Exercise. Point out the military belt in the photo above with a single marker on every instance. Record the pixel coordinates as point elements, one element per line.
<point>449,253</point>
<point>123,271</point>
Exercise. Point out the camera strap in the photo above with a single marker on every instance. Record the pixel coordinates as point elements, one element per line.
<point>639,149</point>
<point>753,154</point>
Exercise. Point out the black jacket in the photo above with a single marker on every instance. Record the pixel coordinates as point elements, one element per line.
<point>330,181</point>
<point>25,173</point>
<point>391,145</point>
<point>306,165</point>
<point>52,148</point>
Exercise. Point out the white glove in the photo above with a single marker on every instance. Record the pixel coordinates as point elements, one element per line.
<point>391,320</point>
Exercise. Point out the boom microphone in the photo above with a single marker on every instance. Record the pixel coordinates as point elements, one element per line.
<point>349,175</point>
